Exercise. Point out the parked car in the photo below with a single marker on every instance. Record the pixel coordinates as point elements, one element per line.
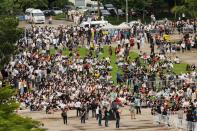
<point>94,6</point>
<point>47,12</point>
<point>36,16</point>
<point>68,7</point>
<point>56,11</point>
<point>120,12</point>
<point>109,6</point>
<point>27,13</point>
<point>105,13</point>
<point>112,12</point>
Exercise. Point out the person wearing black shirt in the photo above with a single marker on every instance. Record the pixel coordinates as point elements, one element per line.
<point>189,119</point>
<point>93,107</point>
<point>106,117</point>
<point>117,119</point>
<point>64,115</point>
<point>83,115</point>
<point>100,117</point>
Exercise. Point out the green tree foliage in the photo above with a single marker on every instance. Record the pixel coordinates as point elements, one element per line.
<point>188,7</point>
<point>138,4</point>
<point>13,7</point>
<point>60,3</point>
<point>8,29</point>
<point>9,120</point>
<point>9,34</point>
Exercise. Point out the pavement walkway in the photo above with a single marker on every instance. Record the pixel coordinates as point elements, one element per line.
<point>54,122</point>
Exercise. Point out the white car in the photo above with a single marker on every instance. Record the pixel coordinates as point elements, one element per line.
<point>57,11</point>
<point>36,16</point>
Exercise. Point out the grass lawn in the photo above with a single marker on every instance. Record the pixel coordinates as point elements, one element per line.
<point>180,68</point>
<point>83,52</point>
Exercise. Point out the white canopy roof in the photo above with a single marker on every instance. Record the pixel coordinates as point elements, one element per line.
<point>109,26</point>
<point>124,26</point>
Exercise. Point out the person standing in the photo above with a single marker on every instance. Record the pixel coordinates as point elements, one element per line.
<point>100,117</point>
<point>93,107</point>
<point>97,112</point>
<point>106,117</point>
<point>77,106</point>
<point>132,42</point>
<point>132,110</point>
<point>189,120</point>
<point>64,115</point>
<point>83,115</point>
<point>138,43</point>
<point>110,51</point>
<point>137,105</point>
<point>183,46</point>
<point>117,118</point>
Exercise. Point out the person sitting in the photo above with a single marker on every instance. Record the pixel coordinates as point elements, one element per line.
<point>177,60</point>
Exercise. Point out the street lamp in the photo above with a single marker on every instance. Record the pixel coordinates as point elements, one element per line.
<point>127,15</point>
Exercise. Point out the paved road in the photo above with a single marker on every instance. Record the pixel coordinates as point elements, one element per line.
<point>53,122</point>
<point>56,23</point>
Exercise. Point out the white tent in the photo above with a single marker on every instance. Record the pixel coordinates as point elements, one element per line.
<point>109,26</point>
<point>124,26</point>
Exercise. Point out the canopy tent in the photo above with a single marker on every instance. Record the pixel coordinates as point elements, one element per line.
<point>124,26</point>
<point>109,26</point>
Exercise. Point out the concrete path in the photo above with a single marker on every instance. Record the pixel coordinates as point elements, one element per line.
<point>53,122</point>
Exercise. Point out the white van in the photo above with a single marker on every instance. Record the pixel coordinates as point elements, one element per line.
<point>27,13</point>
<point>36,16</point>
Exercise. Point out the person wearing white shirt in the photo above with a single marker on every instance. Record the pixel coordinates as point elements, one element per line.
<point>183,46</point>
<point>97,112</point>
<point>78,106</point>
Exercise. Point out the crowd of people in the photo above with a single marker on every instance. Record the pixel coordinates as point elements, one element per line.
<point>67,79</point>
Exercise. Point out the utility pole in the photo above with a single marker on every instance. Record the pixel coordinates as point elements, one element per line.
<point>99,13</point>
<point>175,11</point>
<point>127,15</point>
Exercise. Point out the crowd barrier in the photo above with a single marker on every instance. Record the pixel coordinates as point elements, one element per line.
<point>173,121</point>
<point>172,30</point>
<point>159,84</point>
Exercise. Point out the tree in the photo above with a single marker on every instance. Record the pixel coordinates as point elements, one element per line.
<point>9,34</point>
<point>9,120</point>
<point>14,7</point>
<point>188,7</point>
<point>60,3</point>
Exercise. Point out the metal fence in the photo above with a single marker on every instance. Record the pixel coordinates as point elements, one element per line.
<point>173,30</point>
<point>159,84</point>
<point>173,121</point>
